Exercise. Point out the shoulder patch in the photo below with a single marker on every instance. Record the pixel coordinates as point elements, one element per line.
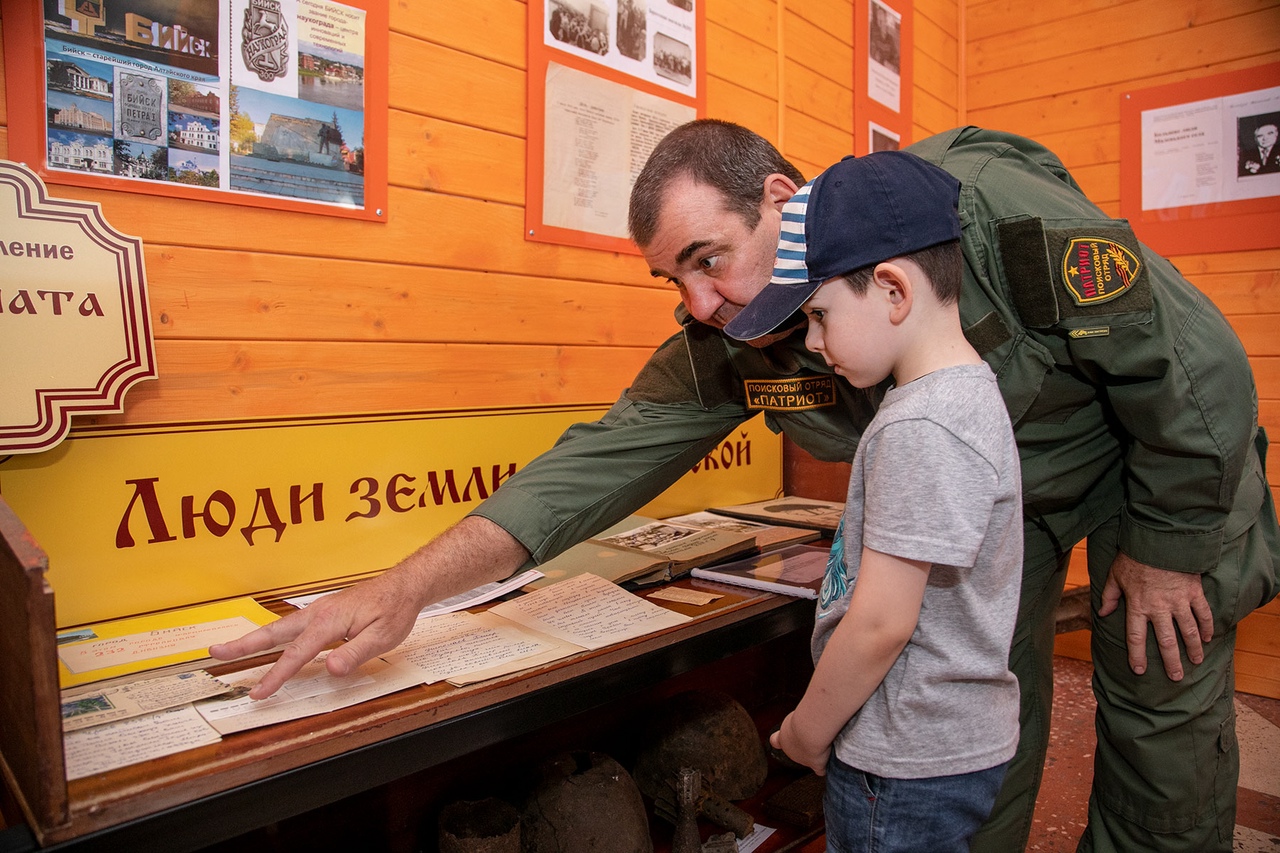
<point>1098,269</point>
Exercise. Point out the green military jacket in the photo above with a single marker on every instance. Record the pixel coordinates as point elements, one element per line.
<point>1127,389</point>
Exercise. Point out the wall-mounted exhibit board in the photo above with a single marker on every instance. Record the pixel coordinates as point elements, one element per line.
<point>253,102</point>
<point>140,520</point>
<point>883,74</point>
<point>1200,162</point>
<point>607,79</point>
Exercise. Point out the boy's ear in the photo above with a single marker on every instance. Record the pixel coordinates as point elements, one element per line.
<point>893,282</point>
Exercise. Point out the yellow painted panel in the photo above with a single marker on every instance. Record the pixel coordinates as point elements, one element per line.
<point>1240,292</point>
<point>1127,24</point>
<point>1197,51</point>
<point>942,14</point>
<point>275,506</point>
<point>814,141</point>
<point>937,79</point>
<point>1258,332</point>
<point>424,228</point>
<point>820,98</point>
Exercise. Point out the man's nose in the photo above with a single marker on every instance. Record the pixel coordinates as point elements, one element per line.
<point>702,300</point>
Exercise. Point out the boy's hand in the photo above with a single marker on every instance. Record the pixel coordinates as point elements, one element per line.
<point>788,739</point>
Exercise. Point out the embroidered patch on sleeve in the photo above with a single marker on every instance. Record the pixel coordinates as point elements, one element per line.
<point>791,395</point>
<point>1097,270</point>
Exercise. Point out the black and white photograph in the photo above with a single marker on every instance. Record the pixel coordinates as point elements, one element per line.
<point>672,59</point>
<point>581,24</point>
<point>1257,136</point>
<point>632,28</point>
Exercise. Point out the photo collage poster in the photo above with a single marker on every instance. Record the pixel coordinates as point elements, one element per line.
<point>654,40</point>
<point>262,97</point>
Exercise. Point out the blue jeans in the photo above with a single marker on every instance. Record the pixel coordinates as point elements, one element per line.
<point>871,814</point>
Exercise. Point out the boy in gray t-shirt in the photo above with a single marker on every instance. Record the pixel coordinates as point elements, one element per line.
<point>912,711</point>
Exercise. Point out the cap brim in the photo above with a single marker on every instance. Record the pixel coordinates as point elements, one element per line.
<point>772,307</point>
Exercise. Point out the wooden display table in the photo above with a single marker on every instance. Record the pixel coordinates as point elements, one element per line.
<point>253,779</point>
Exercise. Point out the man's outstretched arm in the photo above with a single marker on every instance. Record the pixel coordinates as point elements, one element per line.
<point>374,616</point>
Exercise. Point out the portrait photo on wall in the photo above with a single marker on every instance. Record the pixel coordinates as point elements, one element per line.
<point>1256,143</point>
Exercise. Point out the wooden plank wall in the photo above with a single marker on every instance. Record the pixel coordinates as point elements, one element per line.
<point>1056,72</point>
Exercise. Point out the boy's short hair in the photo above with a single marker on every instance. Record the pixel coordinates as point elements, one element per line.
<point>942,264</point>
<point>858,213</point>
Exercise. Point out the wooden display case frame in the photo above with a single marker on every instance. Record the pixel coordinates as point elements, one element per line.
<point>254,779</point>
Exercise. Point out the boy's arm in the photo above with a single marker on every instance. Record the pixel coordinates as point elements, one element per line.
<point>882,616</point>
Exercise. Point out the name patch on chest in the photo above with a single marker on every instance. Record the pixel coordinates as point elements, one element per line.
<point>791,395</point>
<point>1096,269</point>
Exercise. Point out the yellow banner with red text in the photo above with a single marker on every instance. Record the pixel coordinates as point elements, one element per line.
<point>136,520</point>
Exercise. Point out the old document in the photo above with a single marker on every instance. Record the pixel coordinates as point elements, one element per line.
<point>106,747</point>
<point>463,648</point>
<point>589,611</point>
<point>85,707</point>
<point>312,691</point>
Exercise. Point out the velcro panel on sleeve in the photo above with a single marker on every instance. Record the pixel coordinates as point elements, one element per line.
<point>1025,257</point>
<point>988,334</point>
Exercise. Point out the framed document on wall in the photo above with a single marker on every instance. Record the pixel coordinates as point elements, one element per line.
<point>1200,162</point>
<point>255,102</point>
<point>607,80</point>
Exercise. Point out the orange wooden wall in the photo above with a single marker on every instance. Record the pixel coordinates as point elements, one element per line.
<point>445,306</point>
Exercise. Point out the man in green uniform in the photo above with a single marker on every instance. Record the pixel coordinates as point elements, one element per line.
<point>1136,420</point>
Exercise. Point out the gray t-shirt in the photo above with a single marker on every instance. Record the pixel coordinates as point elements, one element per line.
<point>936,478</point>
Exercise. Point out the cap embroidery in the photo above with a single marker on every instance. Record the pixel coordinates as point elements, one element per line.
<point>1096,269</point>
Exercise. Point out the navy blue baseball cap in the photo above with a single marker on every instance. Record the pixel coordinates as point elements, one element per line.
<point>861,211</point>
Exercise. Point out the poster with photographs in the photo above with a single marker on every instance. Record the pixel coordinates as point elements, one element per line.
<point>884,55</point>
<point>654,40</point>
<point>1212,150</point>
<point>255,97</point>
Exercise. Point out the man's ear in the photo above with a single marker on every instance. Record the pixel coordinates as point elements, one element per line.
<point>778,190</point>
<point>896,286</point>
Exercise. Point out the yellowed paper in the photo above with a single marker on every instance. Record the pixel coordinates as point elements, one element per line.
<point>312,691</point>
<point>684,596</point>
<point>110,649</point>
<point>106,747</point>
<point>88,706</point>
<point>589,611</point>
<point>466,647</point>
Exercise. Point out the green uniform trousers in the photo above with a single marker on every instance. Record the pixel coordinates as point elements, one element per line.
<point>1151,732</point>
